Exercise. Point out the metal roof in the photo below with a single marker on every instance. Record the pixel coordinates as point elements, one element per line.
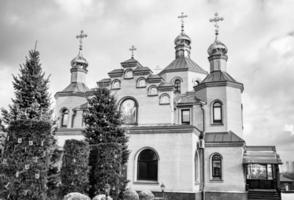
<point>183,64</point>
<point>261,155</point>
<point>218,76</point>
<point>223,137</point>
<point>76,87</point>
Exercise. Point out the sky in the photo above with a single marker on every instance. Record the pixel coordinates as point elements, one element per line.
<point>259,35</point>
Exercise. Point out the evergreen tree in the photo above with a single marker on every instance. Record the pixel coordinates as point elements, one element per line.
<point>32,99</point>
<point>74,170</point>
<point>108,142</point>
<point>31,103</point>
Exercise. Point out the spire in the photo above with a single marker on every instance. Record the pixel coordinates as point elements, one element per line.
<point>216,19</point>
<point>182,41</point>
<point>217,51</point>
<point>132,49</point>
<point>182,16</point>
<point>80,37</point>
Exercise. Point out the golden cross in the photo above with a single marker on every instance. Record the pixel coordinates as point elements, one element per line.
<point>132,49</point>
<point>182,16</point>
<point>81,36</point>
<point>216,19</point>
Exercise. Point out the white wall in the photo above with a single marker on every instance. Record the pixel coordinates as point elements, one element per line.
<point>232,170</point>
<point>176,165</point>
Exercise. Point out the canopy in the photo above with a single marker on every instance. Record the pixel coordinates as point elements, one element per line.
<point>261,155</point>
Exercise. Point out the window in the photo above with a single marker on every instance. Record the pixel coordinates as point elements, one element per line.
<point>216,166</point>
<point>152,91</point>
<point>147,165</point>
<point>185,116</point>
<point>164,99</point>
<point>128,74</point>
<point>115,84</point>
<point>129,109</point>
<point>73,118</point>
<point>64,117</point>
<point>141,83</point>
<point>177,86</point>
<point>217,112</point>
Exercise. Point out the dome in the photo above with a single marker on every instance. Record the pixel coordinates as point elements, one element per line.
<point>182,36</point>
<point>79,60</point>
<point>217,48</point>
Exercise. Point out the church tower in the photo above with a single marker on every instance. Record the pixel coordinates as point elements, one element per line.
<point>221,91</point>
<point>183,72</point>
<point>71,101</point>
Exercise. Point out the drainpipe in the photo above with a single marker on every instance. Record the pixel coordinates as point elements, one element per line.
<point>202,150</point>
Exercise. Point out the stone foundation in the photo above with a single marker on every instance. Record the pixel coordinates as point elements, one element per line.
<point>225,196</point>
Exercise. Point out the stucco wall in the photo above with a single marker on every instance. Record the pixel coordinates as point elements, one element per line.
<point>233,179</point>
<point>176,160</point>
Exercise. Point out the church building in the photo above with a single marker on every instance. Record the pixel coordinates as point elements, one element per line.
<point>184,124</point>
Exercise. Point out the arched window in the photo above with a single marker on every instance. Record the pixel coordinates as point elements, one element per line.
<point>129,110</point>
<point>164,99</point>
<point>177,86</point>
<point>73,118</point>
<point>147,165</point>
<point>217,116</point>
<point>129,74</point>
<point>141,83</point>
<point>115,84</point>
<point>64,117</point>
<point>152,90</point>
<point>216,166</point>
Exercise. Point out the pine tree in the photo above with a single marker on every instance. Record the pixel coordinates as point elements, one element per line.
<point>31,105</point>
<point>74,170</point>
<point>109,153</point>
<point>32,99</point>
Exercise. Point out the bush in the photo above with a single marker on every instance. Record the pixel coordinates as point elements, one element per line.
<point>74,170</point>
<point>130,194</point>
<point>146,195</point>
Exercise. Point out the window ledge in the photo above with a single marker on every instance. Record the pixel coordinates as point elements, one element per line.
<point>141,86</point>
<point>217,124</point>
<point>128,78</point>
<point>115,88</point>
<point>216,180</point>
<point>152,95</point>
<point>147,182</point>
<point>164,103</point>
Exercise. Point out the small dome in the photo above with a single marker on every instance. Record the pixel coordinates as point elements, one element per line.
<point>182,36</point>
<point>79,60</point>
<point>217,48</point>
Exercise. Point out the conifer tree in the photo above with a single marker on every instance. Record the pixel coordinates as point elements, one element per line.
<point>108,142</point>
<point>32,99</point>
<point>29,142</point>
<point>74,170</point>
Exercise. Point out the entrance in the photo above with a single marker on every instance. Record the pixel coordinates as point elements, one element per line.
<point>261,176</point>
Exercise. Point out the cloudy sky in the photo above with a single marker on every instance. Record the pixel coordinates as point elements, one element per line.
<point>258,33</point>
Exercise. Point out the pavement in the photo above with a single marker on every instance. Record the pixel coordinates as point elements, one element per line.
<point>287,196</point>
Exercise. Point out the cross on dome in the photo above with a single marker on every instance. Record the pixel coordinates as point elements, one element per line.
<point>216,19</point>
<point>80,37</point>
<point>182,16</point>
<point>132,49</point>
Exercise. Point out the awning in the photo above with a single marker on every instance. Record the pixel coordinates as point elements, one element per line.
<point>261,155</point>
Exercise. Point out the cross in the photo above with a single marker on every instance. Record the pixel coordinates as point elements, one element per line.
<point>216,19</point>
<point>132,49</point>
<point>81,36</point>
<point>182,16</point>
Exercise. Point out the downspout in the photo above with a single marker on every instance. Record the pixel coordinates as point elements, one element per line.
<point>202,148</point>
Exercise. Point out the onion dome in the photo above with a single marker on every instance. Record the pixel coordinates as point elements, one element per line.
<point>217,48</point>
<point>182,38</point>
<point>79,60</point>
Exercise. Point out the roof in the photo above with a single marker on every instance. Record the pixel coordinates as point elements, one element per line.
<point>261,155</point>
<point>76,87</point>
<point>130,63</point>
<point>83,106</point>
<point>218,76</point>
<point>222,137</point>
<point>183,64</point>
<point>187,98</point>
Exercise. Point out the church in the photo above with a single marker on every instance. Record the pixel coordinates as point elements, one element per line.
<point>184,125</point>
